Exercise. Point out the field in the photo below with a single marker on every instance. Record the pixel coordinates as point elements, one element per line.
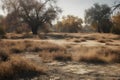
<point>60,56</point>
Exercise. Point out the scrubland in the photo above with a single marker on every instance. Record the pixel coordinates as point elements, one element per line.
<point>94,48</point>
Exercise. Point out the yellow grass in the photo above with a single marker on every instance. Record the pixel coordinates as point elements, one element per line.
<point>58,55</point>
<point>96,55</point>
<point>29,46</point>
<point>18,67</point>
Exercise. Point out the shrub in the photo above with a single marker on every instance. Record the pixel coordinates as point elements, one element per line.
<point>18,68</point>
<point>4,56</point>
<point>58,55</point>
<point>97,55</point>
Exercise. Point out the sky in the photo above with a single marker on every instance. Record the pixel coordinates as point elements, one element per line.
<point>77,7</point>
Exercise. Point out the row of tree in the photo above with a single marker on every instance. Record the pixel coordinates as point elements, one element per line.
<point>98,18</point>
<point>32,15</point>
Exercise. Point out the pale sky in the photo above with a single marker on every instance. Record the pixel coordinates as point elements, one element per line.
<point>77,7</point>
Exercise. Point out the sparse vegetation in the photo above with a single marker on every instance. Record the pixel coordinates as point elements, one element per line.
<point>58,55</point>
<point>29,46</point>
<point>32,48</point>
<point>4,56</point>
<point>17,67</point>
<point>97,55</point>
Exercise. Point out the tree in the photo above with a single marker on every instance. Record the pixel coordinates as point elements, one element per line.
<point>70,24</point>
<point>116,6</point>
<point>116,22</point>
<point>99,15</point>
<point>33,12</point>
<point>2,31</point>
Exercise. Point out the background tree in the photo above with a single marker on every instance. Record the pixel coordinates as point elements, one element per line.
<point>116,6</point>
<point>98,16</point>
<point>2,29</point>
<point>116,21</point>
<point>69,23</point>
<point>32,12</point>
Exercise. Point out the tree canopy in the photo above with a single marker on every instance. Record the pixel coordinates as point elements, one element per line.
<point>99,15</point>
<point>69,23</point>
<point>116,21</point>
<point>33,12</point>
<point>116,6</point>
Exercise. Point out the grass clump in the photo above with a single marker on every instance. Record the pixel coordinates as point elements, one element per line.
<point>97,55</point>
<point>30,46</point>
<point>4,56</point>
<point>19,68</point>
<point>59,56</point>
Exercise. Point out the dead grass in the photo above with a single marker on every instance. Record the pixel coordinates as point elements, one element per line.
<point>58,55</point>
<point>29,46</point>
<point>50,51</point>
<point>4,56</point>
<point>89,38</point>
<point>79,40</point>
<point>98,36</point>
<point>104,40</point>
<point>97,55</point>
<point>17,68</point>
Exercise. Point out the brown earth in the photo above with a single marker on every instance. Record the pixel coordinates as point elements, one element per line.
<point>74,70</point>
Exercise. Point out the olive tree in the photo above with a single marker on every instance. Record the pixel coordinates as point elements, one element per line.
<point>33,12</point>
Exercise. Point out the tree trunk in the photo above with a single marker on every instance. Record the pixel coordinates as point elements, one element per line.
<point>34,30</point>
<point>100,27</point>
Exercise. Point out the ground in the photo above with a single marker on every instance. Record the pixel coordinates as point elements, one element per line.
<point>75,44</point>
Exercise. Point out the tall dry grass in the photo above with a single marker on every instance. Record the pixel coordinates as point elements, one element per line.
<point>57,55</point>
<point>17,68</point>
<point>13,67</point>
<point>29,46</point>
<point>96,55</point>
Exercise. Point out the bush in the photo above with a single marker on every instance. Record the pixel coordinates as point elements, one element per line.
<point>57,55</point>
<point>4,56</point>
<point>18,68</point>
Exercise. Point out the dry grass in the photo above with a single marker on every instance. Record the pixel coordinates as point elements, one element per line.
<point>58,55</point>
<point>44,46</point>
<point>98,36</point>
<point>89,38</point>
<point>104,40</point>
<point>4,56</point>
<point>17,67</point>
<point>97,55</point>
<point>29,46</point>
<point>50,51</point>
<point>79,40</point>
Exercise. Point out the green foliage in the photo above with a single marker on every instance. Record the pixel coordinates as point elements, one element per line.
<point>98,16</point>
